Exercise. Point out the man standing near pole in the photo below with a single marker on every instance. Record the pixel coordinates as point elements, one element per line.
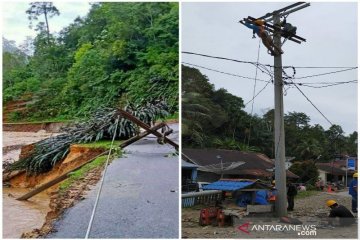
<point>353,192</point>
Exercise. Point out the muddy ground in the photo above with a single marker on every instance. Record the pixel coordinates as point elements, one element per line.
<point>21,216</point>
<point>45,207</point>
<point>13,141</point>
<point>310,210</point>
<point>60,201</point>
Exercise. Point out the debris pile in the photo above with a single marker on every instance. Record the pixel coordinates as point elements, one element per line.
<point>102,125</point>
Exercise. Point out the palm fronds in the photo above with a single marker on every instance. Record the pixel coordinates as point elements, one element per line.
<point>102,125</point>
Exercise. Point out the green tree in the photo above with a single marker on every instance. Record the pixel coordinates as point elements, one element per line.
<point>12,64</point>
<point>307,171</point>
<point>309,149</point>
<point>37,9</point>
<point>352,144</point>
<point>336,138</point>
<point>118,53</point>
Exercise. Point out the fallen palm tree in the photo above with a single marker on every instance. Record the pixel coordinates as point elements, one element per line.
<point>102,125</point>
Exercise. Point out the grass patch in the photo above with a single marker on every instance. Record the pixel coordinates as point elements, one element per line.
<point>106,144</point>
<point>174,116</point>
<point>304,194</point>
<point>79,174</point>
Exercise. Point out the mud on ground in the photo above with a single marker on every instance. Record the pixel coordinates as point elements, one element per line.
<point>60,201</point>
<point>310,210</point>
<point>14,141</point>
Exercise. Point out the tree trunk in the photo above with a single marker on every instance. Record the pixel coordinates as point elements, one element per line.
<point>47,25</point>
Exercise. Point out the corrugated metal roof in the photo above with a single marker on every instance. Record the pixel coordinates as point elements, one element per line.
<point>228,185</point>
<point>256,164</point>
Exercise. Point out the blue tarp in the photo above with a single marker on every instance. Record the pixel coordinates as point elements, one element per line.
<point>261,197</point>
<point>228,185</point>
<point>245,198</point>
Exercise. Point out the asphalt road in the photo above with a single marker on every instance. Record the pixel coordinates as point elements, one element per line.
<point>139,199</point>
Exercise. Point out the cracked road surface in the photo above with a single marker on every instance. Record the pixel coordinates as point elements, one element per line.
<point>139,199</point>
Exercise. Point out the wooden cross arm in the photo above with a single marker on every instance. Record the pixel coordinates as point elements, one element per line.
<point>147,127</point>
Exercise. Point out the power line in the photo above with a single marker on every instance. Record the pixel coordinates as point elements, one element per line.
<point>222,58</point>
<point>305,84</point>
<point>257,93</point>
<point>101,184</point>
<point>252,104</point>
<point>322,74</point>
<point>318,67</point>
<point>235,75</point>
<point>313,104</point>
<point>226,73</point>
<point>312,83</point>
<point>328,85</point>
<point>241,61</point>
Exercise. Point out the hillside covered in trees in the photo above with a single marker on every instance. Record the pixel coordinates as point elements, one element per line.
<point>118,53</point>
<point>214,118</point>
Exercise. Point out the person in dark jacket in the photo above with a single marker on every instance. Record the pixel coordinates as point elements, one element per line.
<point>291,193</point>
<point>339,211</point>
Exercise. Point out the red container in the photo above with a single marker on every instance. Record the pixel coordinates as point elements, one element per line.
<point>207,215</point>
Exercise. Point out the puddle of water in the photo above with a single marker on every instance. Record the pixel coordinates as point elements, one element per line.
<point>22,216</point>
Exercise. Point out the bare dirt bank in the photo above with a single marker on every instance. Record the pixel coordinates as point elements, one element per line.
<point>77,156</point>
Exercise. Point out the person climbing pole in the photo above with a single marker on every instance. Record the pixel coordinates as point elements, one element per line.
<point>258,27</point>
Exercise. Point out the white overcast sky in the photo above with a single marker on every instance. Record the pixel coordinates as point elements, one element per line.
<point>15,24</point>
<point>331,33</point>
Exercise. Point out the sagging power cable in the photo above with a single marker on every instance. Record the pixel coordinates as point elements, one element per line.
<point>257,94</point>
<point>313,105</point>
<point>325,85</point>
<point>327,73</point>
<point>242,61</point>
<point>285,76</point>
<point>101,182</point>
<point>226,73</point>
<point>255,78</point>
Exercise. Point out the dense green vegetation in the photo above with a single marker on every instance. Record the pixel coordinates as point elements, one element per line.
<point>118,53</point>
<point>216,119</point>
<point>306,170</point>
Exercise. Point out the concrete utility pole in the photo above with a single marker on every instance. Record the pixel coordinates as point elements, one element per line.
<point>279,140</point>
<point>280,171</point>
